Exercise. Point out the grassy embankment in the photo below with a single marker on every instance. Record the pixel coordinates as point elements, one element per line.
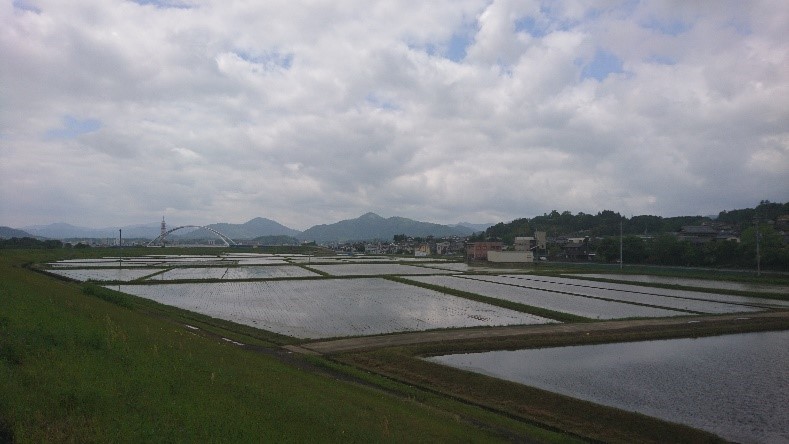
<point>76,367</point>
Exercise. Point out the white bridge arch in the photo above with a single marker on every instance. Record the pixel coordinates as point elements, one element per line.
<point>228,242</point>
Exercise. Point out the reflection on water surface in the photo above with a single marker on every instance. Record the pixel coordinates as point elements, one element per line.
<point>736,386</point>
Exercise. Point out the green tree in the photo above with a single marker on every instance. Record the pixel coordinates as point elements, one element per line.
<point>665,249</point>
<point>721,253</point>
<point>691,254</point>
<point>634,250</point>
<point>644,225</point>
<point>608,223</point>
<point>771,249</point>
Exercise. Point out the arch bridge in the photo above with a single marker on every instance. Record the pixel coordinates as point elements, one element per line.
<point>228,242</point>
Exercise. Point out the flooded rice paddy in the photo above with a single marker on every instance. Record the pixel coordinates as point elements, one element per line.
<point>736,386</point>
<point>331,307</point>
<point>374,269</point>
<point>107,274</point>
<point>236,273</point>
<point>631,288</point>
<point>637,297</point>
<point>566,303</point>
<point>686,282</point>
<point>287,295</point>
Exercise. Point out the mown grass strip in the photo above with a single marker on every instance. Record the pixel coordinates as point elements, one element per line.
<point>210,280</point>
<point>537,311</point>
<point>315,270</point>
<point>114,297</point>
<point>516,429</point>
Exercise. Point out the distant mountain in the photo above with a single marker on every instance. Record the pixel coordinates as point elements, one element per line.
<point>367,227</point>
<point>68,231</point>
<point>62,230</point>
<point>474,227</point>
<point>143,231</point>
<point>8,233</point>
<point>252,229</point>
<point>276,240</point>
<point>372,226</point>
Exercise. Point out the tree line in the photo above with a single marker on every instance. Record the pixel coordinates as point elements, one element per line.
<point>667,249</point>
<point>653,240</point>
<point>30,243</point>
<point>607,223</point>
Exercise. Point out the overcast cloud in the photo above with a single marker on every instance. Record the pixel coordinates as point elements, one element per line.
<point>120,112</point>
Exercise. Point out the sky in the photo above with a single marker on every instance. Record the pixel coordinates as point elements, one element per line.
<point>117,112</point>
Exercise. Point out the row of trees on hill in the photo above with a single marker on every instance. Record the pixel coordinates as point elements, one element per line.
<point>653,240</point>
<point>667,249</point>
<point>30,243</point>
<point>604,223</point>
<point>607,223</point>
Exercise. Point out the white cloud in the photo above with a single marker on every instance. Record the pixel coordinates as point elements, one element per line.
<point>308,114</point>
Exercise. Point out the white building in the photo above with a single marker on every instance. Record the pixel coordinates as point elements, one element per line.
<point>511,256</point>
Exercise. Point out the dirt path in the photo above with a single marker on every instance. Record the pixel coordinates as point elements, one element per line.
<point>374,342</point>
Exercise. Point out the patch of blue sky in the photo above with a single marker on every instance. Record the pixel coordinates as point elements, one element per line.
<point>553,17</point>
<point>601,66</point>
<point>73,127</point>
<point>457,46</point>
<point>667,27</point>
<point>530,26</point>
<point>660,60</point>
<point>428,48</point>
<point>25,5</point>
<point>376,101</point>
<point>268,59</point>
<point>163,4</point>
<point>454,49</point>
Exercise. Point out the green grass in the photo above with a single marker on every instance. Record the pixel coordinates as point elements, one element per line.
<point>81,364</point>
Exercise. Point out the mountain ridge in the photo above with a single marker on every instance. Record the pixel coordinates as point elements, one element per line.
<point>368,226</point>
<point>251,229</point>
<point>8,233</point>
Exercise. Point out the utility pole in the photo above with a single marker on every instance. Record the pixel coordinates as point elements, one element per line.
<point>621,259</point>
<point>120,246</point>
<point>758,255</point>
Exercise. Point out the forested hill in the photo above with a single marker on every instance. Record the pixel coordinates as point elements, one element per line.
<point>607,223</point>
<point>766,211</point>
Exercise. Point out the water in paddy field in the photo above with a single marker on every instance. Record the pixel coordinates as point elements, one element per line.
<point>700,283</point>
<point>736,386</point>
<point>331,307</point>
